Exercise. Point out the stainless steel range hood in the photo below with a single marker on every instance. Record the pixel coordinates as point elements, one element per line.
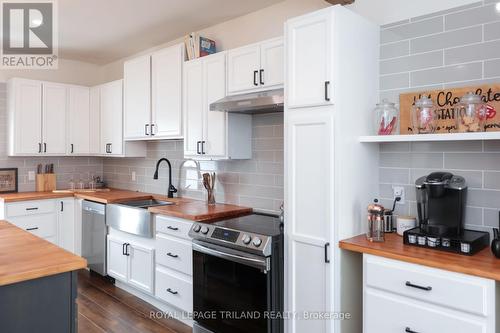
<point>252,103</point>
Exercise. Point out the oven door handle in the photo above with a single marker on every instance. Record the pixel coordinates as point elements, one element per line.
<point>262,263</point>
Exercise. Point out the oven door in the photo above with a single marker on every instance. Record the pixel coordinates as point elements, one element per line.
<point>230,290</point>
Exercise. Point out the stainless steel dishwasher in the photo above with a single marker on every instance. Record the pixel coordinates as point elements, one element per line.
<point>94,232</point>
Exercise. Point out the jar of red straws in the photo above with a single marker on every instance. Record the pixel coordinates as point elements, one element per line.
<point>386,118</point>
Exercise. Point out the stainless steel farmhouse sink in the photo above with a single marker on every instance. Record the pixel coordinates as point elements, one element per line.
<point>133,216</point>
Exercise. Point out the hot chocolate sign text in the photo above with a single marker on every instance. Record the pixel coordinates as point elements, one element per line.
<point>446,101</point>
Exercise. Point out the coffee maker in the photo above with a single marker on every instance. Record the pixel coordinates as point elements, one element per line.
<point>441,202</point>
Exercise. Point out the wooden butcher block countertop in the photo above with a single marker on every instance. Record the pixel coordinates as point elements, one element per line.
<point>483,264</point>
<point>185,208</point>
<point>24,256</point>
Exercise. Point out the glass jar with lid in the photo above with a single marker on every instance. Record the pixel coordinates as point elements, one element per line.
<point>423,116</point>
<point>386,118</point>
<point>470,114</point>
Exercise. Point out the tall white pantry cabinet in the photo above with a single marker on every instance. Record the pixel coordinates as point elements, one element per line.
<point>331,86</point>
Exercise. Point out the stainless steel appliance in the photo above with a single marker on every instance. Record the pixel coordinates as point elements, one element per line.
<point>133,216</point>
<point>441,202</point>
<point>238,275</point>
<point>251,103</point>
<point>94,235</point>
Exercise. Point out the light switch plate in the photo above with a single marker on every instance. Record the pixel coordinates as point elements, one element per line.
<point>31,175</point>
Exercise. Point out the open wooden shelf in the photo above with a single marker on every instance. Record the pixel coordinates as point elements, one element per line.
<point>432,137</point>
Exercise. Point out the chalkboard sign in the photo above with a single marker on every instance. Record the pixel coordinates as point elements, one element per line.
<point>446,100</point>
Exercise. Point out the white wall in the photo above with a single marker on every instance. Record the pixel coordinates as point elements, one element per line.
<point>389,11</point>
<point>69,71</point>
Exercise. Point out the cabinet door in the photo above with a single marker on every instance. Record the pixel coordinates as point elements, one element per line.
<point>137,97</point>
<point>166,74</point>
<point>272,60</point>
<point>243,69</point>
<point>215,129</point>
<point>309,137</point>
<point>79,120</point>
<point>66,224</point>
<point>193,107</point>
<point>54,109</point>
<point>95,121</point>
<point>141,267</point>
<point>117,260</point>
<point>26,111</point>
<point>111,106</point>
<point>309,43</point>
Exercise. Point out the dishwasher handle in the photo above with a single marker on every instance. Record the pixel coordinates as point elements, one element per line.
<point>93,210</point>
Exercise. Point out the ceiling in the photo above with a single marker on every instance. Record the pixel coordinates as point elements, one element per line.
<point>102,31</point>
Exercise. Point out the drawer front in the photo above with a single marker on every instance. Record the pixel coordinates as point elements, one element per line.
<point>41,225</point>
<point>28,208</point>
<point>457,291</point>
<point>173,226</point>
<point>388,313</point>
<point>174,290</point>
<point>174,253</point>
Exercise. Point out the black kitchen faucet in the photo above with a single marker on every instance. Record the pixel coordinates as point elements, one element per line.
<point>171,188</point>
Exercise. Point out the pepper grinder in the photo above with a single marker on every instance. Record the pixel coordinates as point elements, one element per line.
<point>495,244</point>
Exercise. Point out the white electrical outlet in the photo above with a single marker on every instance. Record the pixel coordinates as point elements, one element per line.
<point>31,175</point>
<point>399,191</point>
<point>133,176</point>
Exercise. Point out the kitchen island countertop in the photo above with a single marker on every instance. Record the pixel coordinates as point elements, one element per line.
<point>483,264</point>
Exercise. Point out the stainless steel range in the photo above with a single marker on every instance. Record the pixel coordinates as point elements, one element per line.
<point>238,275</point>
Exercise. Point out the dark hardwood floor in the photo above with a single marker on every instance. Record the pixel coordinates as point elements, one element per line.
<point>102,307</point>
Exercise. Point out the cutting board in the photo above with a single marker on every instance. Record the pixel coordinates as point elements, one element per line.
<point>446,101</point>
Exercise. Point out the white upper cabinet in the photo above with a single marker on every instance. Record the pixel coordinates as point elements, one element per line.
<point>310,50</point>
<point>212,134</point>
<point>95,121</point>
<point>166,112</point>
<point>78,127</point>
<point>55,105</point>
<point>111,118</point>
<point>24,115</point>
<point>153,95</point>
<point>137,97</point>
<point>255,67</point>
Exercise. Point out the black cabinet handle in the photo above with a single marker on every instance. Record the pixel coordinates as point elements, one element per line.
<point>32,208</point>
<point>261,76</point>
<point>62,206</point>
<point>146,129</point>
<point>152,129</point>
<point>30,229</point>
<point>172,255</point>
<point>255,78</point>
<point>127,253</point>
<point>72,148</point>
<point>409,284</point>
<point>198,147</point>
<point>110,148</point>
<point>123,248</point>
<point>172,228</point>
<point>172,292</point>
<point>44,147</point>
<point>327,260</point>
<point>39,147</point>
<point>409,330</point>
<point>327,85</point>
<point>203,148</point>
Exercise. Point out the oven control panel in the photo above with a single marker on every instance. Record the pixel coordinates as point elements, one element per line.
<point>237,239</point>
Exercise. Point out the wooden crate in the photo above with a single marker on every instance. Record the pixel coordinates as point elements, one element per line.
<point>45,182</point>
<point>446,100</point>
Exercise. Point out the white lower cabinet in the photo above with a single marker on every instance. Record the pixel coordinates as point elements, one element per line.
<point>131,263</point>
<point>51,219</point>
<point>403,297</point>
<point>174,288</point>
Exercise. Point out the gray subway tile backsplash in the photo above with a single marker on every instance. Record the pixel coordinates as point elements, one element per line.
<point>411,63</point>
<point>471,46</point>
<point>446,39</point>
<point>479,15</point>
<point>394,81</point>
<point>411,30</point>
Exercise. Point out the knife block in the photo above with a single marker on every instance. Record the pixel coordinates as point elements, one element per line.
<point>45,182</point>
